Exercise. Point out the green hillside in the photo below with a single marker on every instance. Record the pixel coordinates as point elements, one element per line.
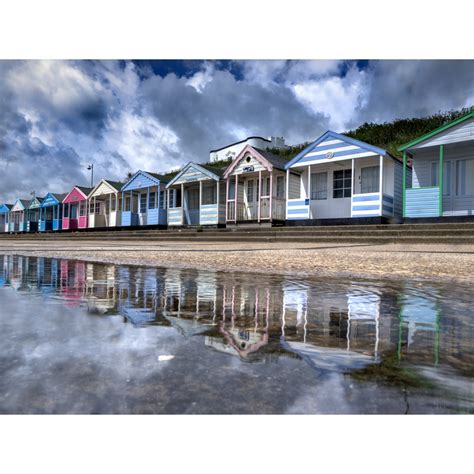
<point>391,135</point>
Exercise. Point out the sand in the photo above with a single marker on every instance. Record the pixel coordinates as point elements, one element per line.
<point>390,261</point>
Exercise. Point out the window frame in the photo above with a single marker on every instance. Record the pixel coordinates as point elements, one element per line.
<point>344,179</point>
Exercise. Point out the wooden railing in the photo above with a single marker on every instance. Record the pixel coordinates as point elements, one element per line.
<point>231,211</point>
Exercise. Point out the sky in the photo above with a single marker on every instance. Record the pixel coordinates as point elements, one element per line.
<point>56,117</point>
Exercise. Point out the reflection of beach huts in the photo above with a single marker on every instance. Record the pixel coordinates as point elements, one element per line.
<point>100,288</point>
<point>442,183</point>
<point>4,217</point>
<point>330,330</point>
<point>343,178</point>
<point>75,208</point>
<point>17,220</point>
<point>105,204</point>
<point>420,317</point>
<point>196,196</point>
<point>33,214</point>
<point>51,212</point>
<point>143,197</point>
<point>137,294</point>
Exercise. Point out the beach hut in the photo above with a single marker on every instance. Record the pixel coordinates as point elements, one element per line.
<point>196,196</point>
<point>75,208</point>
<point>255,187</point>
<point>4,215</point>
<point>442,182</point>
<point>17,221</point>
<point>51,212</point>
<point>343,180</point>
<point>143,197</point>
<point>105,204</point>
<point>32,214</point>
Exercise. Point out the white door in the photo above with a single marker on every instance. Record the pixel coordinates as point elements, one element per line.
<point>251,198</point>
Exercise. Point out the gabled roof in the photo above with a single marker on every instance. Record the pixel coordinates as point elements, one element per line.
<point>111,184</point>
<point>36,199</point>
<point>82,189</point>
<point>335,136</point>
<point>153,177</point>
<point>241,141</point>
<point>267,159</point>
<point>436,131</point>
<point>23,203</point>
<point>55,197</point>
<point>5,207</point>
<point>207,171</point>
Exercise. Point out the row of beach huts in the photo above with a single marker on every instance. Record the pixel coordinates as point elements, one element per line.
<point>336,179</point>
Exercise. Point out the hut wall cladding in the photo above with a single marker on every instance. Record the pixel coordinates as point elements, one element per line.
<point>294,190</point>
<point>104,189</point>
<point>190,175</point>
<point>422,170</point>
<point>257,166</point>
<point>75,197</point>
<point>459,133</point>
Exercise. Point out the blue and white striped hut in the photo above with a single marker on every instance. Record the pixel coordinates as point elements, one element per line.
<point>196,196</point>
<point>343,179</point>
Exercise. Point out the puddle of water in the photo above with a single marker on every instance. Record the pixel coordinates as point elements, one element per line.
<point>81,337</point>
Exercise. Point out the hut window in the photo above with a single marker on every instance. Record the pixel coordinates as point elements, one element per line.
<point>82,209</point>
<point>231,190</point>
<point>209,195</point>
<point>142,202</point>
<point>280,191</point>
<point>97,207</point>
<point>342,183</point>
<point>319,186</point>
<point>66,211</point>
<point>464,177</point>
<point>266,186</point>
<point>151,201</point>
<point>91,207</point>
<point>162,200</point>
<point>446,176</point>
<point>369,179</point>
<point>175,198</point>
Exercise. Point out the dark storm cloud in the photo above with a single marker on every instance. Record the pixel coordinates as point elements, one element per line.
<point>58,116</point>
<point>401,89</point>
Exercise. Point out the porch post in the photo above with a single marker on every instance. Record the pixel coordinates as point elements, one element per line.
<point>200,199</point>
<point>147,198</point>
<point>131,202</point>
<point>441,158</point>
<point>182,203</point>
<point>352,177</point>
<point>69,211</point>
<point>217,199</point>
<point>236,194</point>
<point>404,183</point>
<point>309,192</point>
<point>117,201</point>
<point>271,195</point>
<point>287,191</point>
<point>381,184</point>
<point>259,192</point>
<point>227,199</point>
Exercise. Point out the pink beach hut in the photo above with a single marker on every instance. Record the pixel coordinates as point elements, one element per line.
<point>75,208</point>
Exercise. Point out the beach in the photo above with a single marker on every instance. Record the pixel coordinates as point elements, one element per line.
<point>426,262</point>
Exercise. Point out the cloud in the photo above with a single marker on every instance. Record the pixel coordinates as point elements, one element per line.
<point>57,116</point>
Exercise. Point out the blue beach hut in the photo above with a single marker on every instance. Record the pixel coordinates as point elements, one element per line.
<point>143,198</point>
<point>4,215</point>
<point>196,196</point>
<point>343,180</point>
<point>51,212</point>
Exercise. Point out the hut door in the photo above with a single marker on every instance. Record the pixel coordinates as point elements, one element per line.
<point>251,198</point>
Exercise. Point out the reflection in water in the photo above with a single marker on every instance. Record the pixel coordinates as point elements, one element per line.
<point>399,336</point>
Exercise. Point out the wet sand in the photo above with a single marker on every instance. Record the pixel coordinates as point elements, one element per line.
<point>367,261</point>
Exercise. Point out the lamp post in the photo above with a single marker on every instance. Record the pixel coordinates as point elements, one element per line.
<point>91,169</point>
